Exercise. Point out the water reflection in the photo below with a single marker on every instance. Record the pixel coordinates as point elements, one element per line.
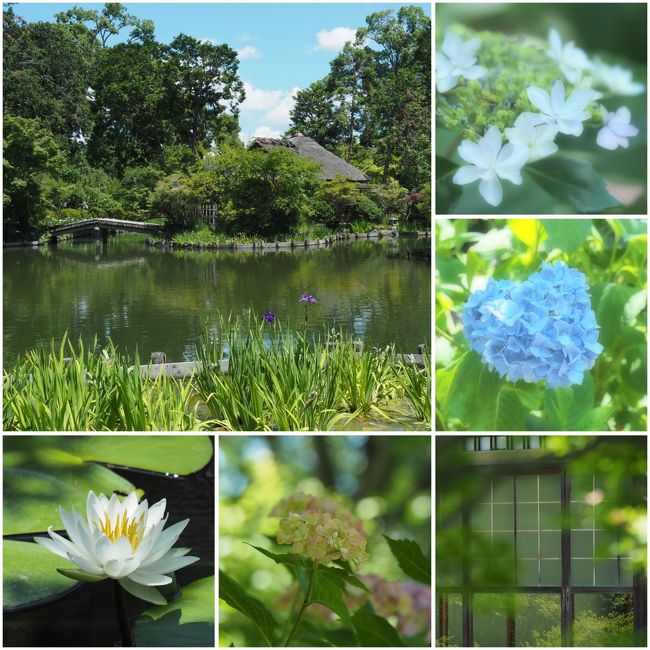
<point>151,300</point>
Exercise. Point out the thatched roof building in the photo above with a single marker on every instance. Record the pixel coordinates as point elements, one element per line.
<point>332,165</point>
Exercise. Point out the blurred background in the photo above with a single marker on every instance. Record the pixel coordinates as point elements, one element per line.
<point>615,32</point>
<point>383,480</point>
<point>607,519</point>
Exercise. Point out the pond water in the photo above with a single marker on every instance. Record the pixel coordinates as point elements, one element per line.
<point>154,300</point>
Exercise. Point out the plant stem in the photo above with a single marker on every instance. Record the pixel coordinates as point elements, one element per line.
<point>122,617</point>
<point>304,604</point>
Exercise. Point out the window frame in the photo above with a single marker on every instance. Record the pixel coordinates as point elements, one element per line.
<point>524,462</point>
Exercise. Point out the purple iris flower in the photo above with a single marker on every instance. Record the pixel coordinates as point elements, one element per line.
<point>269,317</point>
<point>307,297</point>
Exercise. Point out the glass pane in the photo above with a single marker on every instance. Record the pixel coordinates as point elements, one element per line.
<point>549,514</point>
<point>491,619</point>
<point>503,514</point>
<point>533,442</point>
<point>626,573</point>
<point>603,620</point>
<point>549,487</point>
<point>484,443</point>
<point>502,442</point>
<point>526,516</point>
<point>527,545</point>
<point>582,515</point>
<point>503,490</point>
<point>450,616</point>
<point>550,544</point>
<point>607,573</point>
<point>537,620</point>
<point>582,573</point>
<point>528,575</point>
<point>449,573</point>
<point>550,573</point>
<point>527,488</point>
<point>582,543</point>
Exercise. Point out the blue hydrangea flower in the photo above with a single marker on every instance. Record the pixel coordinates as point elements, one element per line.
<point>541,329</point>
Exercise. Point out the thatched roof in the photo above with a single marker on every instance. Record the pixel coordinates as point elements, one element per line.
<point>306,147</point>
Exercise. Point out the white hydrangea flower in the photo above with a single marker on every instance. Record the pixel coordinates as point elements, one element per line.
<point>489,161</point>
<point>456,60</point>
<point>122,540</point>
<point>572,61</point>
<point>617,79</point>
<point>536,135</point>
<point>616,130</point>
<point>566,115</point>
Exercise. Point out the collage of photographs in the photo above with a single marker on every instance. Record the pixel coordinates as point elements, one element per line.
<point>222,225</point>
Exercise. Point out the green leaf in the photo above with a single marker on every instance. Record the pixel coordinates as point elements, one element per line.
<point>574,182</point>
<point>447,192</point>
<point>507,413</point>
<point>584,398</point>
<point>186,622</point>
<point>328,590</point>
<point>44,472</point>
<point>288,559</point>
<point>411,559</point>
<point>374,631</point>
<point>557,403</point>
<point>344,575</point>
<point>609,305</point>
<point>595,419</point>
<point>30,575</point>
<point>236,597</point>
<point>567,234</point>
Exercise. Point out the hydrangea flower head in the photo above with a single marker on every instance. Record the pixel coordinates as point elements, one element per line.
<point>617,79</point>
<point>123,540</point>
<point>532,132</point>
<point>541,329</point>
<point>320,528</point>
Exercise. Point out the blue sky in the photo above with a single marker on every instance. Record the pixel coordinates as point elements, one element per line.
<point>282,47</point>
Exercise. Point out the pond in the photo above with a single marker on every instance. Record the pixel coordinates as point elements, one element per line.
<point>153,300</point>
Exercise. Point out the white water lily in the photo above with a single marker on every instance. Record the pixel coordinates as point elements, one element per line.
<point>617,79</point>
<point>616,130</point>
<point>122,540</point>
<point>489,161</point>
<point>456,60</point>
<point>566,115</point>
<point>572,61</point>
<point>532,132</point>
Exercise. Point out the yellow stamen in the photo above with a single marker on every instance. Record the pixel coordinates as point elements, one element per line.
<point>124,527</point>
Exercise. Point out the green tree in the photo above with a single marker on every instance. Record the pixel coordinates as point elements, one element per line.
<point>110,21</point>
<point>31,158</point>
<point>264,193</point>
<point>46,76</point>
<point>205,92</point>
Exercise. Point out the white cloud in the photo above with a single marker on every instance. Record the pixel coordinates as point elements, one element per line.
<point>334,39</point>
<point>266,132</point>
<point>279,114</point>
<point>258,99</point>
<point>248,52</point>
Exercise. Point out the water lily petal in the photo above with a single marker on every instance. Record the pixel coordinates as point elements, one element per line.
<point>150,594</point>
<point>155,513</point>
<point>149,578</point>
<point>60,548</point>
<point>166,540</point>
<point>119,568</point>
<point>168,563</point>
<point>85,565</point>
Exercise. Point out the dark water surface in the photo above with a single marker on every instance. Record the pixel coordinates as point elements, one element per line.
<point>153,300</point>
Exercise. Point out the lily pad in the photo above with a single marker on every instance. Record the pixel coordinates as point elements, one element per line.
<point>188,621</point>
<point>30,577</point>
<point>43,472</point>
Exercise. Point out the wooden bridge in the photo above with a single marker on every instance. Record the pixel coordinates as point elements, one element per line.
<point>101,227</point>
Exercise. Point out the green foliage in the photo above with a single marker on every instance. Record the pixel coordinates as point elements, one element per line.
<point>29,575</point>
<point>174,200</point>
<point>374,631</point>
<point>46,391</point>
<point>187,621</point>
<point>40,476</point>
<point>31,157</point>
<point>573,182</point>
<point>377,96</point>
<point>471,397</point>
